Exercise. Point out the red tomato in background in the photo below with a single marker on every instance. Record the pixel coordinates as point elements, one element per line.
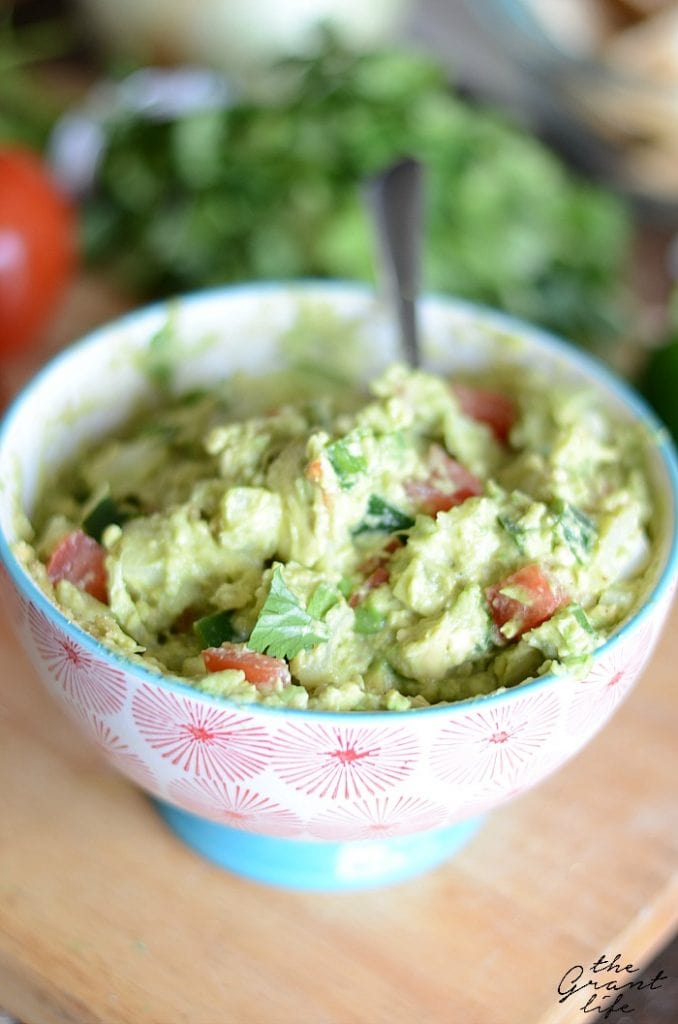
<point>37,247</point>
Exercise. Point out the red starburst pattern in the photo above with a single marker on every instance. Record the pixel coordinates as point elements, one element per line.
<point>202,740</point>
<point>596,697</point>
<point>378,818</point>
<point>498,745</point>
<point>236,806</point>
<point>114,748</point>
<point>343,762</point>
<point>89,684</point>
<point>12,604</point>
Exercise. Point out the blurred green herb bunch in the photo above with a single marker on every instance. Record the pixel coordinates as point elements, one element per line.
<point>269,186</point>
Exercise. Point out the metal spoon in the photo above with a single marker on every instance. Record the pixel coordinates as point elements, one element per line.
<point>396,200</point>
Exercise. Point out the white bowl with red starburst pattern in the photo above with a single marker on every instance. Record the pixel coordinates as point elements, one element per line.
<point>309,799</point>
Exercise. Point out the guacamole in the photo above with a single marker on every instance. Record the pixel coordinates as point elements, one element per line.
<point>298,543</point>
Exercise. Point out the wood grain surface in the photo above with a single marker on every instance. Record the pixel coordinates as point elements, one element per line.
<point>106,918</point>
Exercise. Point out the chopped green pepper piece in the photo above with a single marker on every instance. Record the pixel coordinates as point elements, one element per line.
<point>368,619</point>
<point>105,513</point>
<point>582,618</point>
<point>322,599</point>
<point>575,528</point>
<point>382,518</point>
<point>216,629</point>
<point>347,459</point>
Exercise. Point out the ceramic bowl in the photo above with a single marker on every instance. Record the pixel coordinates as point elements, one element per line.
<point>307,799</point>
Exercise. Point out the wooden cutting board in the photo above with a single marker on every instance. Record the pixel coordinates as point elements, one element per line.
<point>106,918</point>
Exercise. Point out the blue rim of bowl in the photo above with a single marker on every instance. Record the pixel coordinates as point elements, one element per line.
<point>594,369</point>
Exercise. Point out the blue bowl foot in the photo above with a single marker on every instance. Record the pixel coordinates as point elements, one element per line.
<point>301,864</point>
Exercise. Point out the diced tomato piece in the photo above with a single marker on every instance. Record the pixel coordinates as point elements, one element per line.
<point>432,500</point>
<point>380,576</point>
<point>532,600</point>
<point>495,409</point>
<point>185,620</point>
<point>314,471</point>
<point>370,564</point>
<point>448,484</point>
<point>376,570</point>
<point>79,559</point>
<point>376,579</point>
<point>382,558</point>
<point>261,670</point>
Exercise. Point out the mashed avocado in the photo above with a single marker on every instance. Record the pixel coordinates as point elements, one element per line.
<point>280,541</point>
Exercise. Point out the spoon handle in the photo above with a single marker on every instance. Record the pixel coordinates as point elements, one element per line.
<point>397,203</point>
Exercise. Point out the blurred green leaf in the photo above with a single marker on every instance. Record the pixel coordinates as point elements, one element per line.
<point>273,189</point>
<point>28,109</point>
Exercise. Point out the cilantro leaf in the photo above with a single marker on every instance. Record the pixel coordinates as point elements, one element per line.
<point>284,628</point>
<point>382,518</point>
<point>347,459</point>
